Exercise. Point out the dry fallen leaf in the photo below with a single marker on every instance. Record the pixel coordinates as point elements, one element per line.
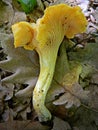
<point>25,125</point>
<point>60,124</point>
<point>6,14</point>
<point>16,64</point>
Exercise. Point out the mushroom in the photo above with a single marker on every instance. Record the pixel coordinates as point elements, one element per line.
<point>45,36</point>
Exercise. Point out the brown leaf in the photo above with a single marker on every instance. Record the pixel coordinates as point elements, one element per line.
<point>24,71</point>
<point>60,124</point>
<point>6,13</point>
<point>22,125</point>
<point>93,97</point>
<point>19,16</point>
<point>96,14</point>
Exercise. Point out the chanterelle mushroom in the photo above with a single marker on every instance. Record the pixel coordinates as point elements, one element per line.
<point>45,37</point>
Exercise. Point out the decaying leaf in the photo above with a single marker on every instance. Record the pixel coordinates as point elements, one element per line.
<point>7,115</point>
<point>83,4</point>
<point>85,119</point>
<point>23,65</point>
<point>93,102</point>
<point>2,94</point>
<point>19,16</point>
<point>8,90</point>
<point>25,125</point>
<point>87,55</point>
<point>19,74</point>
<point>6,14</point>
<point>66,80</point>
<point>72,96</point>
<point>96,14</point>
<point>60,124</point>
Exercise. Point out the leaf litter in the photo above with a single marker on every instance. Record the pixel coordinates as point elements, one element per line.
<point>16,92</point>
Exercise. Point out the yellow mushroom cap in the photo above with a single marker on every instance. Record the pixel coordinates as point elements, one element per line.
<point>23,34</point>
<point>76,23</point>
<point>58,21</point>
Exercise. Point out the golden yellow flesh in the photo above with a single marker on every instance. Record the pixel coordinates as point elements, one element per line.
<point>23,33</point>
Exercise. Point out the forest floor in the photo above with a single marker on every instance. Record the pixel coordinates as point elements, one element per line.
<point>74,108</point>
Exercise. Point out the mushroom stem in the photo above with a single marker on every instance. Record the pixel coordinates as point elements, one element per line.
<point>47,66</point>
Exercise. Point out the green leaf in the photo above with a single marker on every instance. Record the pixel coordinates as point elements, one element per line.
<point>28,5</point>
